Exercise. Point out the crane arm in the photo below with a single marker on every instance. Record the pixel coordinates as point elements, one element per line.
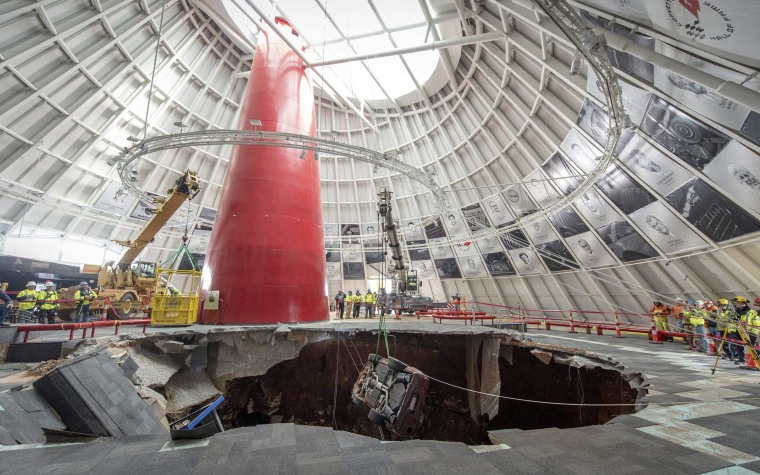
<point>186,187</point>
<point>385,210</point>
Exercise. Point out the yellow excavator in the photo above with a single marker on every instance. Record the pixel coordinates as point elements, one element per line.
<point>127,283</point>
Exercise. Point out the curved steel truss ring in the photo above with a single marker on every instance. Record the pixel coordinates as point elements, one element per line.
<point>274,139</point>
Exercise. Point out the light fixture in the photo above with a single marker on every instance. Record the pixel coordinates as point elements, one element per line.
<point>180,125</point>
<point>254,123</point>
<point>133,139</point>
<point>575,64</point>
<point>302,155</point>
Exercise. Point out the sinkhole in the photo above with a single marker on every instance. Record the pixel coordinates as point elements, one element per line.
<point>314,388</point>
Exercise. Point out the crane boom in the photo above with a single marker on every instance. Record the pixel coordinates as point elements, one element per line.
<point>186,187</point>
<point>385,210</point>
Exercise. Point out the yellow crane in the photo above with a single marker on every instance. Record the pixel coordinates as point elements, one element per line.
<point>127,282</point>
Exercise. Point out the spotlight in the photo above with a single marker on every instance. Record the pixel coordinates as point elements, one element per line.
<point>133,139</point>
<point>180,125</point>
<point>254,123</point>
<point>302,155</point>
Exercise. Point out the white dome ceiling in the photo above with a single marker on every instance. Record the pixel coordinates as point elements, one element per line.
<point>507,129</point>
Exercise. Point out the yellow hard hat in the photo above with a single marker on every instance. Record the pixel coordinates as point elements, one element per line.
<point>739,298</point>
<point>722,302</point>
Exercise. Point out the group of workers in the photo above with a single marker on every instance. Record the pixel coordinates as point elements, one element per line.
<point>703,320</point>
<point>44,304</point>
<point>351,304</point>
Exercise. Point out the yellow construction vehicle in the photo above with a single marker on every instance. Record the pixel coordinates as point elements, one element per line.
<point>128,284</point>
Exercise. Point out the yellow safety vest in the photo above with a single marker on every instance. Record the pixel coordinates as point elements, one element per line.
<point>27,299</point>
<point>83,298</point>
<point>49,300</point>
<point>753,320</point>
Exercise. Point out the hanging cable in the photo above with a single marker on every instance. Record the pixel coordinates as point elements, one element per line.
<point>153,74</point>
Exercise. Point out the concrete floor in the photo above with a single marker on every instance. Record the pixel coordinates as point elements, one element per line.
<point>696,422</point>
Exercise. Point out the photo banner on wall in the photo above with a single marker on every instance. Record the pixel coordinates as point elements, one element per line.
<point>435,229</point>
<point>540,231</point>
<point>498,264</point>
<point>447,268</point>
<point>489,244</point>
<point>751,127</point>
<point>497,209</point>
<point>623,240</point>
<point>475,217</point>
<point>590,251</point>
<point>413,232</point>
<point>725,27</point>
<point>580,150</point>
<point>568,223</point>
<point>205,223</point>
<point>352,253</point>
<point>519,201</point>
<point>556,256</point>
<point>373,252</point>
<point>564,177</point>
<point>144,211</point>
<point>472,267</point>
<point>418,254</point>
<point>685,137</point>
<point>712,213</point>
<point>115,199</point>
<point>541,189</point>
<point>514,239</point>
<point>737,170</point>
<point>353,270</point>
<point>652,166</point>
<point>333,271</point>
<point>698,97</point>
<point>425,269</point>
<point>663,228</point>
<point>440,248</point>
<point>594,121</point>
<point>455,224</point>
<point>595,209</point>
<point>622,190</point>
<point>526,261</point>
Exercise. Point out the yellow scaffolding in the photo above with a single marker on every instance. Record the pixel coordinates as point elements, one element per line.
<point>175,300</point>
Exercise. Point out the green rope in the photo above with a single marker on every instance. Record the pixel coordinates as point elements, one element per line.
<point>382,331</point>
<point>183,250</point>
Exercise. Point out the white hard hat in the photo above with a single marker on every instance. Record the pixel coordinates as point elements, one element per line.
<point>699,302</point>
<point>49,284</point>
<point>31,283</point>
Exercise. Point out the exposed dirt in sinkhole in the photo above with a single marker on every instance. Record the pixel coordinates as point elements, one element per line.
<point>309,390</point>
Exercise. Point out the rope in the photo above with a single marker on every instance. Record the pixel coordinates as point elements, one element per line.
<point>575,404</point>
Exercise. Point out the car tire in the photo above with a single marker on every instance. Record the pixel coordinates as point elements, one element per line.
<point>376,417</point>
<point>357,400</point>
<point>396,365</point>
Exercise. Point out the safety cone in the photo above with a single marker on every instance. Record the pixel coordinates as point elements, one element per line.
<point>750,362</point>
<point>713,350</point>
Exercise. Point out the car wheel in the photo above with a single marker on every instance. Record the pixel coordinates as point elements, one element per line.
<point>357,400</point>
<point>376,417</point>
<point>396,365</point>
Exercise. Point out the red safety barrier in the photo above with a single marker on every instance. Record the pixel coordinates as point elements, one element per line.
<point>72,327</point>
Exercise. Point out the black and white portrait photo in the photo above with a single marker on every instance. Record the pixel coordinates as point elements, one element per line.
<point>497,209</point>
<point>596,210</point>
<point>333,270</point>
<point>440,248</point>
<point>519,201</point>
<point>665,229</point>
<point>655,168</point>
<point>526,261</point>
<point>580,150</point>
<point>540,231</point>
<point>418,250</point>
<point>541,189</point>
<point>455,223</point>
<point>472,267</point>
<point>590,251</point>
